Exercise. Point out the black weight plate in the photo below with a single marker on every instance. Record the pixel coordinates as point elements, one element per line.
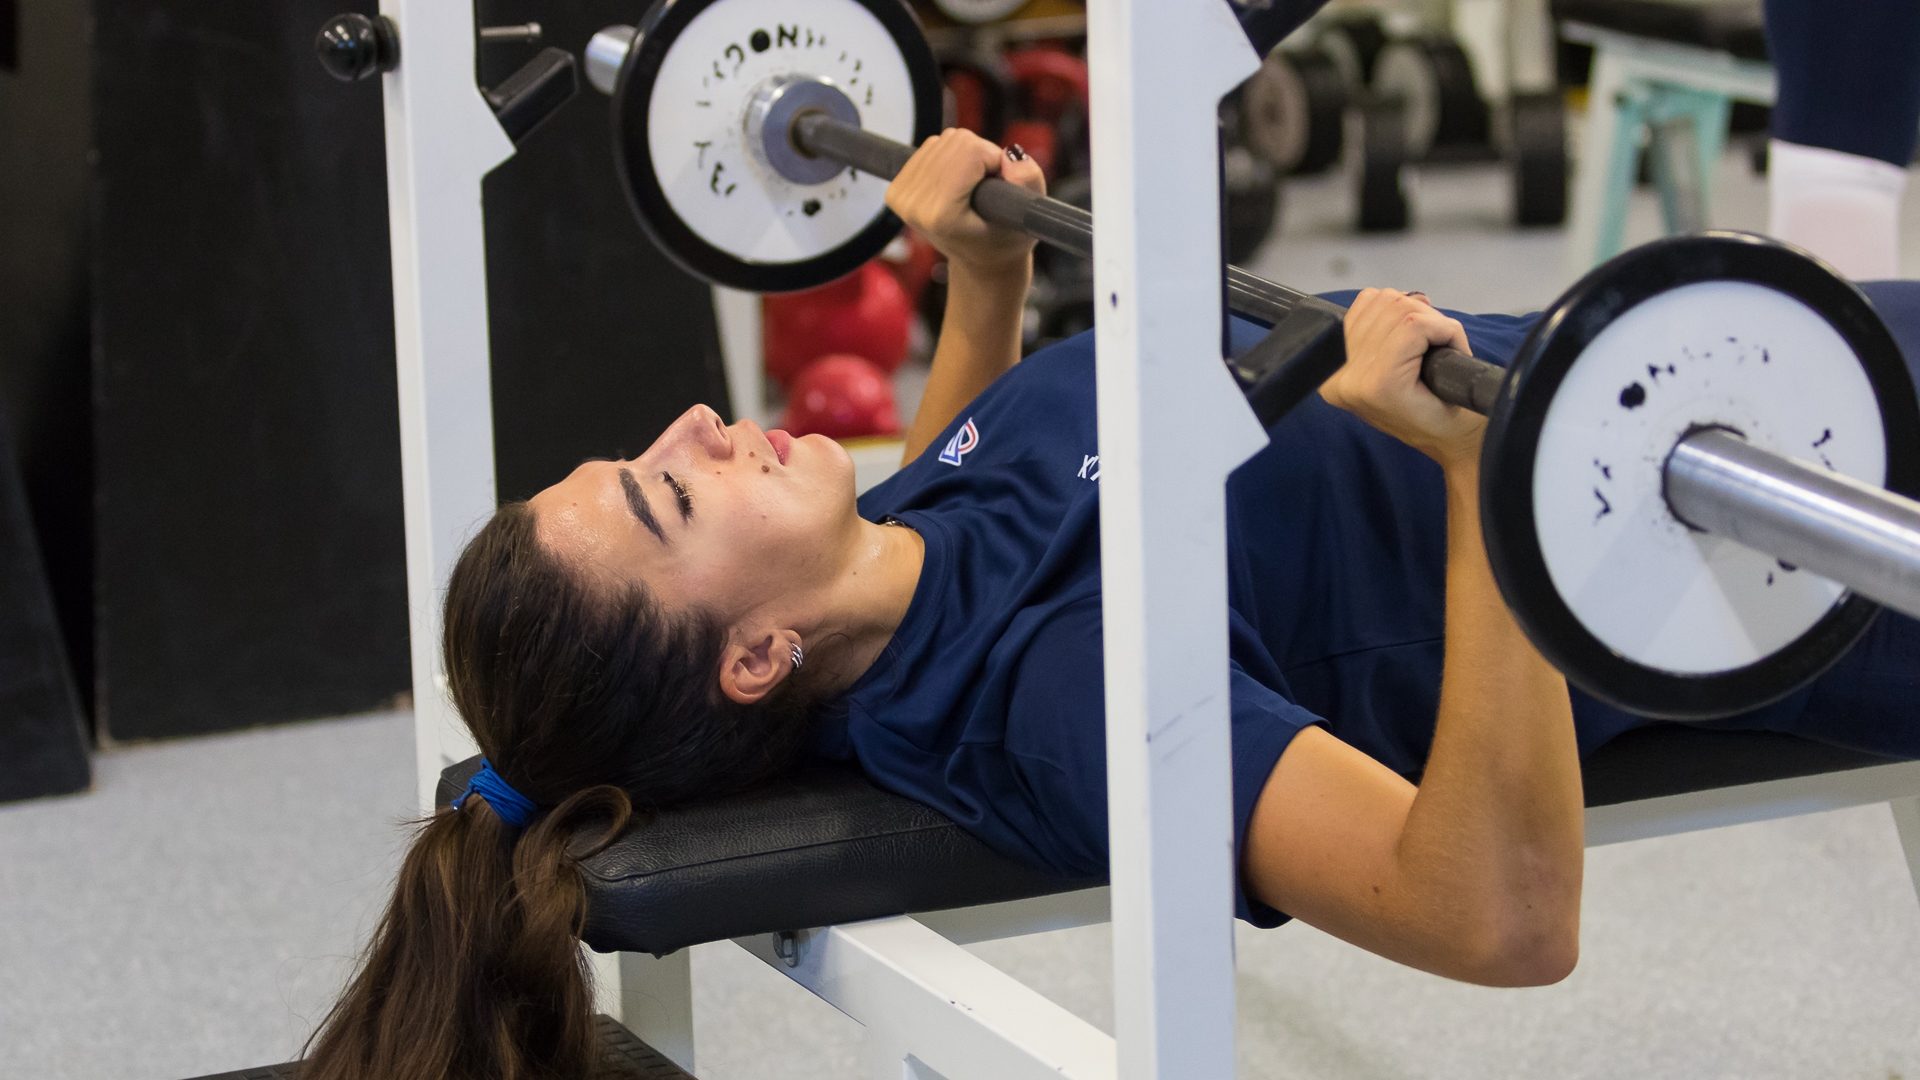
<point>1354,40</point>
<point>1250,202</point>
<point>1514,435</point>
<point>660,31</point>
<point>1326,111</point>
<point>1383,155</point>
<point>1433,76</point>
<point>1539,159</point>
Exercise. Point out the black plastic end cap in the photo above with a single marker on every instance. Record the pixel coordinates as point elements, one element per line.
<point>354,46</point>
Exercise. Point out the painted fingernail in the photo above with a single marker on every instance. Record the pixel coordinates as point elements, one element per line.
<point>1016,152</point>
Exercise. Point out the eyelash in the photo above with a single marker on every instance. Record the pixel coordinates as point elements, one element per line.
<point>680,492</point>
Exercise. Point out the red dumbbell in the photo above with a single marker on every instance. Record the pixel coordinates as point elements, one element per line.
<point>841,397</point>
<point>867,313</point>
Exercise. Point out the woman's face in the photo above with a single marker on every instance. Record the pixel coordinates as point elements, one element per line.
<point>727,517</point>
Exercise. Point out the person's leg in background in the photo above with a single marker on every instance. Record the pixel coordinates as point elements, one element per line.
<point>1845,119</point>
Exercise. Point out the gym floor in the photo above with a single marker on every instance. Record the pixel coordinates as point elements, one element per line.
<point>195,912</point>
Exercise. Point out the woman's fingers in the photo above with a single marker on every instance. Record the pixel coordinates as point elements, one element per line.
<point>1023,170</point>
<point>933,194</point>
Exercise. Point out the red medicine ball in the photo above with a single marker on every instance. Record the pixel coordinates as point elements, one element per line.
<point>841,397</point>
<point>865,314</point>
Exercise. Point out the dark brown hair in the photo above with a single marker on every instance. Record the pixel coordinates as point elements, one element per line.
<point>595,702</point>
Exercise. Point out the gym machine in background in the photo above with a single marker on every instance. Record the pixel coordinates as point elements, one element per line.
<point>1388,86</point>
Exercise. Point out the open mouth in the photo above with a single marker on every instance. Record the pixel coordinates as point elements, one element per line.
<point>782,444</point>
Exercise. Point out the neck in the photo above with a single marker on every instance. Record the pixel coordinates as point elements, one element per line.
<point>864,601</point>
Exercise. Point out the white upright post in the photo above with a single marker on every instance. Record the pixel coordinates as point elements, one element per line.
<point>442,139</point>
<point>1906,820</point>
<point>1172,426</point>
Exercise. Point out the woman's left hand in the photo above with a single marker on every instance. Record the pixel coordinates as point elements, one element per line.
<point>1388,334</point>
<point>932,194</point>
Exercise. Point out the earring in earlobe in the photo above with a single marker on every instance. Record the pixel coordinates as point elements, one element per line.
<point>798,658</point>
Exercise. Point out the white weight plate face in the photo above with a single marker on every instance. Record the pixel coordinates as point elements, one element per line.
<point>1728,353</point>
<point>978,11</point>
<point>696,124</point>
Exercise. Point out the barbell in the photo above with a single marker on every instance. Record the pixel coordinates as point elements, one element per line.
<point>1698,468</point>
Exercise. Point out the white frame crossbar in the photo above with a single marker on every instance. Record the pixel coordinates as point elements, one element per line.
<point>1172,426</point>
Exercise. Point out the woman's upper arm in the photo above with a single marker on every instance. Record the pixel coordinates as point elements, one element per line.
<point>1323,846</point>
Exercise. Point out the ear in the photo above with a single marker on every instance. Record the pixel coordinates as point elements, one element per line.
<point>750,668</point>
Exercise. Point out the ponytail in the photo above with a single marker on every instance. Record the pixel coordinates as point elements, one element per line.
<point>475,970</point>
<point>598,700</point>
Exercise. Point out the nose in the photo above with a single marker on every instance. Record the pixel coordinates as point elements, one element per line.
<point>703,427</point>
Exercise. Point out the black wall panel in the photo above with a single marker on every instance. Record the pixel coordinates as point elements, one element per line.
<point>250,550</point>
<point>45,398</point>
<point>599,341</point>
<point>42,732</point>
<point>250,545</point>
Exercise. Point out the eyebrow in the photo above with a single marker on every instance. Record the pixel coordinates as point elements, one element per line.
<point>637,502</point>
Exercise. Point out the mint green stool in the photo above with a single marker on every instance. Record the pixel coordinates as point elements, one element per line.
<point>1675,99</point>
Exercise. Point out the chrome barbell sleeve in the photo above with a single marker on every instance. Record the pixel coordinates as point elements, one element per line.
<point>1806,516</point>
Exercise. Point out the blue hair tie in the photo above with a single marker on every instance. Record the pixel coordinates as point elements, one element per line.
<point>512,807</point>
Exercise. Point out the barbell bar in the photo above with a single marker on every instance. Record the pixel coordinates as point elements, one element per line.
<point>1858,535</point>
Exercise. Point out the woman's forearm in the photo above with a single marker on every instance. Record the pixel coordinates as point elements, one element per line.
<point>1496,829</point>
<point>979,341</point>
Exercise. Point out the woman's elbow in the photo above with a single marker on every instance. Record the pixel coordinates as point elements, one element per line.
<point>1532,951</point>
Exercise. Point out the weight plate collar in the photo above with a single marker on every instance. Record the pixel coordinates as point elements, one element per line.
<point>658,34</point>
<point>1514,436</point>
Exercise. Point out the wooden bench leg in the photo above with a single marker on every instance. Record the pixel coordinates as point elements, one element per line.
<point>1906,818</point>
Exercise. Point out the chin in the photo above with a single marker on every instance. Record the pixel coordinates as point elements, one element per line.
<point>836,461</point>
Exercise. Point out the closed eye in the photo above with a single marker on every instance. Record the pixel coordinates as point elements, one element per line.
<point>680,493</point>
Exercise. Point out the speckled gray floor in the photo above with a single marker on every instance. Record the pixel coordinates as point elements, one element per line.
<point>194,912</point>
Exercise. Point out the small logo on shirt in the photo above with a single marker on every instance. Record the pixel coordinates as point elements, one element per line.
<point>962,443</point>
<point>1090,466</point>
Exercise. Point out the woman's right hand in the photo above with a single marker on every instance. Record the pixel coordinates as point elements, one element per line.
<point>933,195</point>
<point>1388,332</point>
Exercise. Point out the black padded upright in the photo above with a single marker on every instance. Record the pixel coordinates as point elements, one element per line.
<point>622,1057</point>
<point>249,559</point>
<point>43,747</point>
<point>826,846</point>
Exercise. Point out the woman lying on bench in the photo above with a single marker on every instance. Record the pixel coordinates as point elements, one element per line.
<point>684,624</point>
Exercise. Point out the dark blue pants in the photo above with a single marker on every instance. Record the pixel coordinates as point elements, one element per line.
<point>1849,75</point>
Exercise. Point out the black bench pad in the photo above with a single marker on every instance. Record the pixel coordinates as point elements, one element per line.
<point>826,846</point>
<point>820,847</point>
<point>1732,26</point>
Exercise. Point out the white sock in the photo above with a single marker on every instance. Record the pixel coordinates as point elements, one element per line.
<point>1842,207</point>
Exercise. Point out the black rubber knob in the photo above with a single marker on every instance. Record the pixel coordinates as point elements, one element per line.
<point>356,46</point>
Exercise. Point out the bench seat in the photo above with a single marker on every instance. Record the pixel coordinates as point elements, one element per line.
<point>825,846</point>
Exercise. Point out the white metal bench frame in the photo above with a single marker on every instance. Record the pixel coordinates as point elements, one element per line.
<point>1167,418</point>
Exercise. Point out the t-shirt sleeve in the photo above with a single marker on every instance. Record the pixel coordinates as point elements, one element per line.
<point>1056,744</point>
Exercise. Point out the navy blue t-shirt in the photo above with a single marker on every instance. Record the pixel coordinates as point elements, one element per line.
<point>989,706</point>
